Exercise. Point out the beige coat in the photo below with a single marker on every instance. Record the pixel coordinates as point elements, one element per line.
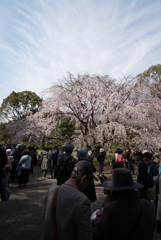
<point>157,180</point>
<point>46,160</point>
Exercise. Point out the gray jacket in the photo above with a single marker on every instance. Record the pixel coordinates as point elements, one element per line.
<point>73,214</point>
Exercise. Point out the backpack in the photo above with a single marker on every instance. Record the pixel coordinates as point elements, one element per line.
<point>100,157</point>
<point>61,172</point>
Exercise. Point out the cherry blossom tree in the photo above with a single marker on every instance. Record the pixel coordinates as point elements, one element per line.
<point>90,100</point>
<point>106,111</point>
<point>36,128</point>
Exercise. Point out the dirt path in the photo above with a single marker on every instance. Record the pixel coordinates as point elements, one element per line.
<point>21,215</point>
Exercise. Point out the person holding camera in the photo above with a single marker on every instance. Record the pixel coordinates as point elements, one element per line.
<point>4,190</point>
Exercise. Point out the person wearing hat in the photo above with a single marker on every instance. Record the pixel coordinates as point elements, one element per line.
<point>90,191</point>
<point>128,216</point>
<point>19,146</point>
<point>105,191</point>
<point>73,210</point>
<point>101,157</point>
<point>10,158</point>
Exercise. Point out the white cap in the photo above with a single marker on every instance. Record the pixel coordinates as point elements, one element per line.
<point>8,152</point>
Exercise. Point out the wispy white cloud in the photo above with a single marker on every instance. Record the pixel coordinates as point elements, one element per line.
<point>42,39</point>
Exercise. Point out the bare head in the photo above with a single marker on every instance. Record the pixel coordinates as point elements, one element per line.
<point>82,174</point>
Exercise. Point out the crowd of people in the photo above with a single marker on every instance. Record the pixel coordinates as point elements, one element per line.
<point>17,163</point>
<point>126,212</point>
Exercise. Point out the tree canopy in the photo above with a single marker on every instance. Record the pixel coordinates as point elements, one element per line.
<point>15,106</point>
<point>66,127</point>
<point>152,79</point>
<point>104,110</point>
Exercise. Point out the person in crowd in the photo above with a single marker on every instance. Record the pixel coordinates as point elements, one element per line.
<point>127,217</point>
<point>152,167</point>
<point>108,193</point>
<point>157,180</point>
<point>119,156</point>
<point>100,158</point>
<point>23,167</point>
<point>61,152</point>
<point>23,146</point>
<point>91,155</point>
<point>124,154</point>
<point>17,158</point>
<point>90,191</point>
<point>70,218</point>
<point>19,146</point>
<point>13,150</point>
<point>65,164</point>
<point>115,157</point>
<point>157,160</point>
<point>35,156</point>
<point>160,160</point>
<point>152,155</point>
<point>131,162</point>
<point>54,159</point>
<point>144,151</point>
<point>4,190</point>
<point>32,154</point>
<point>142,177</point>
<point>152,171</point>
<point>10,158</point>
<point>46,159</point>
<point>127,157</point>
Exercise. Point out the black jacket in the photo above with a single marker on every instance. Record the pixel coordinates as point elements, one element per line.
<point>90,191</point>
<point>101,156</point>
<point>142,174</point>
<point>119,217</point>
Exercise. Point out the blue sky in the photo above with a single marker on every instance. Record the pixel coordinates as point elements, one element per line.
<point>40,40</point>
